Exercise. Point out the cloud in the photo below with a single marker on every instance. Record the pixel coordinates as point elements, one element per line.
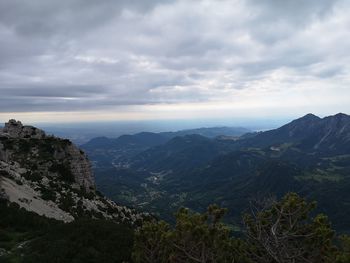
<point>78,55</point>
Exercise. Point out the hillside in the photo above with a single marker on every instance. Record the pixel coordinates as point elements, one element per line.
<point>327,136</point>
<point>180,154</point>
<point>114,152</point>
<point>52,177</point>
<point>309,155</point>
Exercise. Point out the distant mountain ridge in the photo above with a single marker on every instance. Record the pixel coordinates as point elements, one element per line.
<point>211,132</point>
<point>309,155</point>
<point>143,139</point>
<point>149,139</point>
<point>310,132</point>
<point>106,151</point>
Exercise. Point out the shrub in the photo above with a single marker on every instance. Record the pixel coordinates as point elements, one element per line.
<point>33,176</point>
<point>48,194</point>
<point>64,172</point>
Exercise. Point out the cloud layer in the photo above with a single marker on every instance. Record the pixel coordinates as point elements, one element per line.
<point>135,56</point>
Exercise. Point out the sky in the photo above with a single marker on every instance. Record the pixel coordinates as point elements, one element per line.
<point>128,60</point>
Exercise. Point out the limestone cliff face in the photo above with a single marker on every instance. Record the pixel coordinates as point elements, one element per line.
<point>52,177</point>
<point>29,146</point>
<point>80,167</point>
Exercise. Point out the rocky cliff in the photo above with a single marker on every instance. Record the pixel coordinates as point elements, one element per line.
<point>52,177</point>
<point>31,147</point>
<point>15,129</point>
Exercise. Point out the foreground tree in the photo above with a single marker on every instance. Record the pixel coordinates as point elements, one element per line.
<point>196,237</point>
<point>284,232</point>
<point>203,238</point>
<point>343,255</point>
<point>275,232</point>
<point>151,243</point>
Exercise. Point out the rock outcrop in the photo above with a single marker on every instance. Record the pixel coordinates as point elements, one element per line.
<point>80,167</point>
<point>52,177</point>
<point>29,146</point>
<point>15,129</point>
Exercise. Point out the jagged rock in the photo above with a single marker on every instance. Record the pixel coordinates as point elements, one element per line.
<point>16,136</point>
<point>15,129</point>
<point>81,167</point>
<point>52,177</point>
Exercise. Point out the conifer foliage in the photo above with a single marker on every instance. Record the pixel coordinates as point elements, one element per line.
<point>275,232</point>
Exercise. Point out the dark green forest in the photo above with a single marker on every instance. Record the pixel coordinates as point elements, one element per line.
<point>28,237</point>
<point>274,231</point>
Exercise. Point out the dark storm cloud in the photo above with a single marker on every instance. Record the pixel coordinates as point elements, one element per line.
<point>88,54</point>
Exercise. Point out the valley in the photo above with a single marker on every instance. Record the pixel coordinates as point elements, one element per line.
<point>309,156</point>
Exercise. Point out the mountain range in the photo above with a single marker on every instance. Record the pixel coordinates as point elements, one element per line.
<point>106,151</point>
<point>309,155</point>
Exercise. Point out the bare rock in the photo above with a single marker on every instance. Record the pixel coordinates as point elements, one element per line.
<point>52,177</point>
<point>15,129</point>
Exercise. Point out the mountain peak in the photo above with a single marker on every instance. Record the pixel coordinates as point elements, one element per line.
<point>336,121</point>
<point>15,129</point>
<point>341,115</point>
<point>310,116</point>
<point>302,123</point>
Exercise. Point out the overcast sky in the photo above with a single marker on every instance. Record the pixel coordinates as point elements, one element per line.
<point>171,59</point>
